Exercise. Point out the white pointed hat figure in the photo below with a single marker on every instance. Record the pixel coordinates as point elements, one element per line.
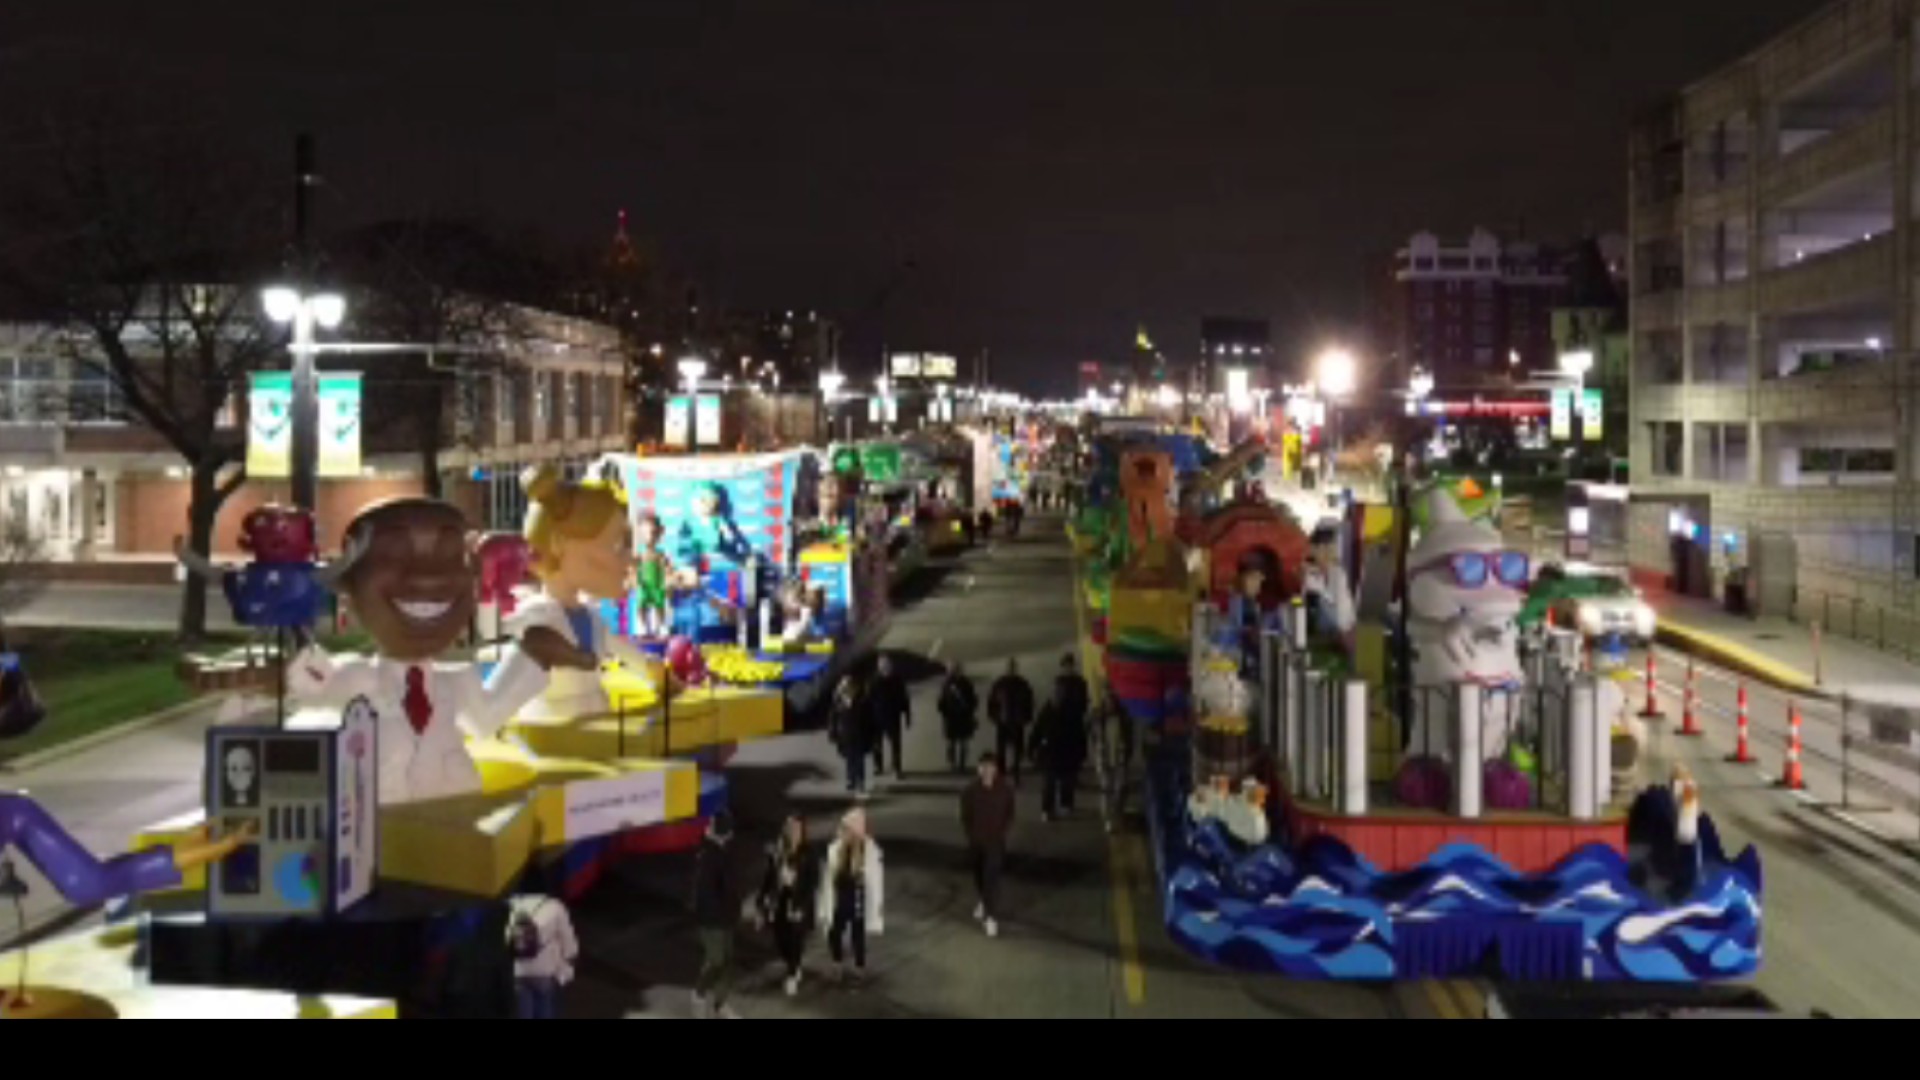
<point>1465,587</point>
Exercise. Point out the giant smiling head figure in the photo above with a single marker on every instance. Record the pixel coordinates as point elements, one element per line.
<point>412,579</point>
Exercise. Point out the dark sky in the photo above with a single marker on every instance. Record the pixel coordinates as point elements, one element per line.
<point>1059,170</point>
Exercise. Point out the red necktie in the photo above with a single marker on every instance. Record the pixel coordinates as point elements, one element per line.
<point>419,707</point>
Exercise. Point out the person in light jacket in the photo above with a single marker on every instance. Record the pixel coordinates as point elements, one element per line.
<point>853,893</point>
<point>540,935</point>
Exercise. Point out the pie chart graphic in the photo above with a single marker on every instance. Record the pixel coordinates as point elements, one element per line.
<point>296,878</point>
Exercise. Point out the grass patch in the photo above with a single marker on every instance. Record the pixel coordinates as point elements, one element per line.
<point>93,680</point>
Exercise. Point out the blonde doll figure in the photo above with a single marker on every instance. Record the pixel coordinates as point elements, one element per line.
<point>582,547</point>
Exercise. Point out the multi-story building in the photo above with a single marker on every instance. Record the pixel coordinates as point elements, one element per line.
<point>1773,323</point>
<point>1476,315</point>
<point>86,482</point>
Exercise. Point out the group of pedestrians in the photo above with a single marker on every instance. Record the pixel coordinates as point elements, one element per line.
<point>840,892</point>
<point>870,715</point>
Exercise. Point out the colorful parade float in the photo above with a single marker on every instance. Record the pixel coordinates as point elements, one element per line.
<point>533,709</point>
<point>1359,767</point>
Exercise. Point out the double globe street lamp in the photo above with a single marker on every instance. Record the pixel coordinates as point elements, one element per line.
<point>287,306</point>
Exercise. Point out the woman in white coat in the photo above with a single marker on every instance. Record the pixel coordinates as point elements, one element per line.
<point>582,546</point>
<point>853,894</point>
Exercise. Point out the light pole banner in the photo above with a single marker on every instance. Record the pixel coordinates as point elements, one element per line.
<point>677,420</point>
<point>1562,415</point>
<point>270,425</point>
<point>340,402</point>
<point>1593,415</point>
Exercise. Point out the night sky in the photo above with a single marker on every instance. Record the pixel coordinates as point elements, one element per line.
<point>1058,170</point>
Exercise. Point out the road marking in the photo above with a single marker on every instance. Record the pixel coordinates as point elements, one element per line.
<point>1133,975</point>
<point>971,582</point>
<point>934,652</point>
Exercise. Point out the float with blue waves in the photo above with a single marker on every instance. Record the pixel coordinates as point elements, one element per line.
<point>1322,912</point>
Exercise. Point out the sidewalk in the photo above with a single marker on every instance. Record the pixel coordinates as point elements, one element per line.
<point>114,607</point>
<point>1782,653</point>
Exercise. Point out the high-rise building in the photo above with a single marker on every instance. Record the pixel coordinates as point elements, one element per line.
<point>1230,343</point>
<point>1473,314</point>
<point>1774,326</point>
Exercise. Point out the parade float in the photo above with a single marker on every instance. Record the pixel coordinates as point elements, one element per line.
<point>363,831</point>
<point>1326,804</point>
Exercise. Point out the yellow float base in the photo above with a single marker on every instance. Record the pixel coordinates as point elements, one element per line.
<point>697,719</point>
<point>477,845</point>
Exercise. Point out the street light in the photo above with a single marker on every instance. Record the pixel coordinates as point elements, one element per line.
<point>325,311</point>
<point>1337,373</point>
<point>830,383</point>
<point>692,370</point>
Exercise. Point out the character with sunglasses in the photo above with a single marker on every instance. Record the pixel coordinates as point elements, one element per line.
<point>1465,590</point>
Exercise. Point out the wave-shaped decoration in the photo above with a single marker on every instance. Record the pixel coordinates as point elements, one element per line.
<point>1320,911</point>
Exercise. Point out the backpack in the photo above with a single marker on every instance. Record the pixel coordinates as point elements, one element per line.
<point>523,934</point>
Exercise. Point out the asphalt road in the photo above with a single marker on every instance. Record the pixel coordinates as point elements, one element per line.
<point>1842,906</point>
<point>1082,937</point>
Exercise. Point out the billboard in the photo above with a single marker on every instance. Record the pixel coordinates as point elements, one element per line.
<point>270,425</point>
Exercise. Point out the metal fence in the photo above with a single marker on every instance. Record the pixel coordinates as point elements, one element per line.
<point>1861,621</point>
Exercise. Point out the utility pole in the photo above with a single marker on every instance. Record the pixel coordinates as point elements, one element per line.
<point>306,388</point>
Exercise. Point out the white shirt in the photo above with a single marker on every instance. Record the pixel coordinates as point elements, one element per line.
<point>433,762</point>
<point>558,946</point>
<point>571,693</point>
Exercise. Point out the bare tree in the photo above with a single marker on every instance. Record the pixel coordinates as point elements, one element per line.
<point>19,551</point>
<point>455,290</point>
<point>143,249</point>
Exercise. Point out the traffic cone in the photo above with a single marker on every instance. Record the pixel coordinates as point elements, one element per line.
<point>1689,719</point>
<point>1652,711</point>
<point>1792,778</point>
<point>1743,753</point>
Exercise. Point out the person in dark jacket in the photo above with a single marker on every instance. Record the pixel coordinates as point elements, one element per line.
<point>1071,693</point>
<point>787,893</point>
<point>986,524</point>
<point>851,729</point>
<point>1010,708</point>
<point>986,816</point>
<point>1060,742</point>
<point>892,716</point>
<point>959,717</point>
<point>714,913</point>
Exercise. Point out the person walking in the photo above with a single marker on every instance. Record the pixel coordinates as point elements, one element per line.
<point>986,817</point>
<point>851,730</point>
<point>1016,513</point>
<point>715,913</point>
<point>986,524</point>
<point>1010,706</point>
<point>893,717</point>
<point>788,890</point>
<point>1060,741</point>
<point>853,891</point>
<point>959,717</point>
<point>540,937</point>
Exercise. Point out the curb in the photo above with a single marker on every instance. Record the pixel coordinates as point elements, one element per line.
<point>1738,658</point>
<point>29,762</point>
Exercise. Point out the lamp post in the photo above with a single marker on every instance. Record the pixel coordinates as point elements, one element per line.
<point>692,370</point>
<point>830,383</point>
<point>1336,374</point>
<point>323,311</point>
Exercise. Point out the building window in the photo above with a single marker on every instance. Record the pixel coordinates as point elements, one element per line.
<point>1669,448</point>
